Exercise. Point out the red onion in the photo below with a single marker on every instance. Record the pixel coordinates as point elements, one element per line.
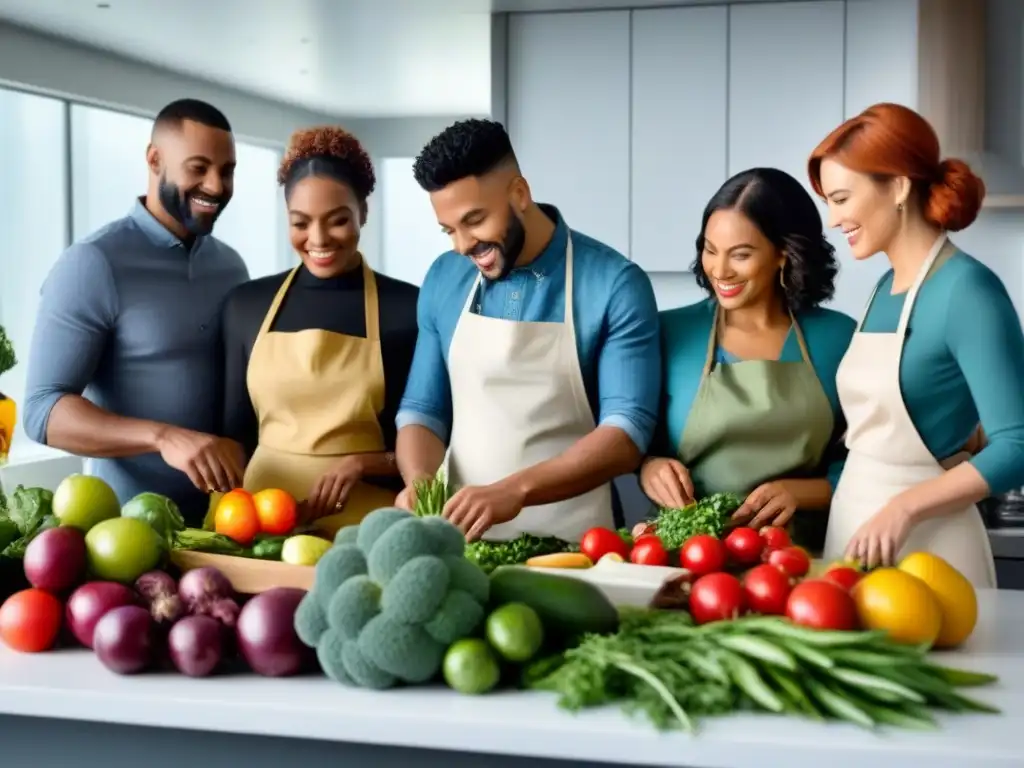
<point>90,602</point>
<point>124,640</point>
<point>203,584</point>
<point>266,633</point>
<point>196,645</point>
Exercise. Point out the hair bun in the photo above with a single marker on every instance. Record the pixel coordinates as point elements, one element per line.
<point>955,198</point>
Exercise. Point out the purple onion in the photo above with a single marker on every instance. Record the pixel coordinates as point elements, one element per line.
<point>124,640</point>
<point>196,645</point>
<point>203,584</point>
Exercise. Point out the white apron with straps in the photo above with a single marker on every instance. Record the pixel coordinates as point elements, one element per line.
<point>887,455</point>
<point>518,399</point>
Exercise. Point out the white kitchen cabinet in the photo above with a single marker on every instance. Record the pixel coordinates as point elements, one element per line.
<point>568,116</point>
<point>679,148</point>
<point>881,54</point>
<point>785,82</point>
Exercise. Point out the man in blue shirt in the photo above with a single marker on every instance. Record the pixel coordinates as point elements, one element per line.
<point>536,376</point>
<point>125,362</point>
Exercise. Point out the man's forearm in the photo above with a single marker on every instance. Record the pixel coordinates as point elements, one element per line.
<point>77,426</point>
<point>418,453</point>
<point>592,461</point>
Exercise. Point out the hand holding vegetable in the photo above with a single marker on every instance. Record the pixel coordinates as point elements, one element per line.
<point>768,504</point>
<point>476,508</point>
<point>329,494</point>
<point>212,463</point>
<point>879,540</point>
<point>666,482</point>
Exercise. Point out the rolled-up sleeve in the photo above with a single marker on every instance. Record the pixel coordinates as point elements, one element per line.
<point>629,362</point>
<point>985,338</point>
<point>77,308</point>
<point>428,396</point>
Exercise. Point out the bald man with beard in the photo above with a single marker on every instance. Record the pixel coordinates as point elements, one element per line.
<point>125,362</point>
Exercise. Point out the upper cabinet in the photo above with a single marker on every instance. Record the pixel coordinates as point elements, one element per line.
<point>679,93</point>
<point>568,116</point>
<point>785,82</point>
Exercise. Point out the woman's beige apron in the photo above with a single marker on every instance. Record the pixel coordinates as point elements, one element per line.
<point>887,455</point>
<point>518,399</point>
<point>317,396</point>
<point>754,421</point>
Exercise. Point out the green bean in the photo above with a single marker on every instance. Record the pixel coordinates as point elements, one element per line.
<point>760,649</point>
<point>806,653</point>
<point>961,678</point>
<point>814,637</point>
<point>747,679</point>
<point>839,705</point>
<point>863,680</point>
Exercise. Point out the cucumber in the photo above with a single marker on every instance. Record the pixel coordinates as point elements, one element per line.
<point>567,607</point>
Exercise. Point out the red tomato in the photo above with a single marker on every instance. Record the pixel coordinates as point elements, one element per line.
<point>766,589</point>
<point>716,597</point>
<point>775,537</point>
<point>702,554</point>
<point>598,542</point>
<point>648,550</point>
<point>30,620</point>
<point>844,576</point>
<point>821,605</point>
<point>744,545</point>
<point>792,561</point>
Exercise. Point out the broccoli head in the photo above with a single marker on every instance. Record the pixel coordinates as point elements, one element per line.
<point>389,598</point>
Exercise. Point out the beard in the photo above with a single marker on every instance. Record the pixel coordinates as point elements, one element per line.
<point>178,203</point>
<point>510,247</point>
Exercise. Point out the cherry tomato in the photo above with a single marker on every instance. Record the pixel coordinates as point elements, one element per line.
<point>716,597</point>
<point>598,542</point>
<point>821,605</point>
<point>648,550</point>
<point>793,561</point>
<point>775,537</point>
<point>702,554</point>
<point>844,576</point>
<point>30,620</point>
<point>766,590</point>
<point>744,545</point>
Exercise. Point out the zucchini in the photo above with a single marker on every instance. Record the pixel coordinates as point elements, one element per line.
<point>567,607</point>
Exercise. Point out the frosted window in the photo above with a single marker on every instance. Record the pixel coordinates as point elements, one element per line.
<point>33,223</point>
<point>108,151</point>
<point>412,237</point>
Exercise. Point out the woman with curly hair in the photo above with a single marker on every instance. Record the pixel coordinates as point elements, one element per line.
<point>750,402</point>
<point>939,350</point>
<point>317,356</point>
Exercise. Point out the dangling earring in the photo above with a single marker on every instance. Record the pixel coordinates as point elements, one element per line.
<point>899,207</point>
<point>782,278</point>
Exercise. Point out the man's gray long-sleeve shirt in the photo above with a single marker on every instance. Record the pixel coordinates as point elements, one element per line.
<point>129,317</point>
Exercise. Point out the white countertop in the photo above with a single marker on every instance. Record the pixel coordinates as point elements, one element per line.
<point>73,685</point>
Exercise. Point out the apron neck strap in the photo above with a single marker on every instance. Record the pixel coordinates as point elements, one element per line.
<point>371,302</point>
<point>275,305</point>
<point>908,302</point>
<point>800,339</point>
<point>568,319</point>
<point>709,360</point>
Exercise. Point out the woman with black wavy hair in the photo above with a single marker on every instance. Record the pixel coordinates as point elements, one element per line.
<point>750,402</point>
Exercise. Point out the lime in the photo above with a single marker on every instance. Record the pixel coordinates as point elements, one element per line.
<point>470,666</point>
<point>304,549</point>
<point>122,549</point>
<point>82,501</point>
<point>515,631</point>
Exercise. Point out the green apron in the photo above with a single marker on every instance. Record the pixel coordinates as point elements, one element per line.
<point>756,421</point>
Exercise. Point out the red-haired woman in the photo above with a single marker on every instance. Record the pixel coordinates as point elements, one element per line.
<point>938,350</point>
<point>317,356</point>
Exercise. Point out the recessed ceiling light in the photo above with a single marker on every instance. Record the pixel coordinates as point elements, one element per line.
<point>304,41</point>
<point>303,71</point>
<point>103,6</point>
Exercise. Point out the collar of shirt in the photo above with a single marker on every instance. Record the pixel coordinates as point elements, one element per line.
<point>345,281</point>
<point>553,256</point>
<point>157,232</point>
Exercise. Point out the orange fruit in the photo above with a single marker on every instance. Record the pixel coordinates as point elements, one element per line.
<point>277,511</point>
<point>957,598</point>
<point>901,604</point>
<point>236,517</point>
